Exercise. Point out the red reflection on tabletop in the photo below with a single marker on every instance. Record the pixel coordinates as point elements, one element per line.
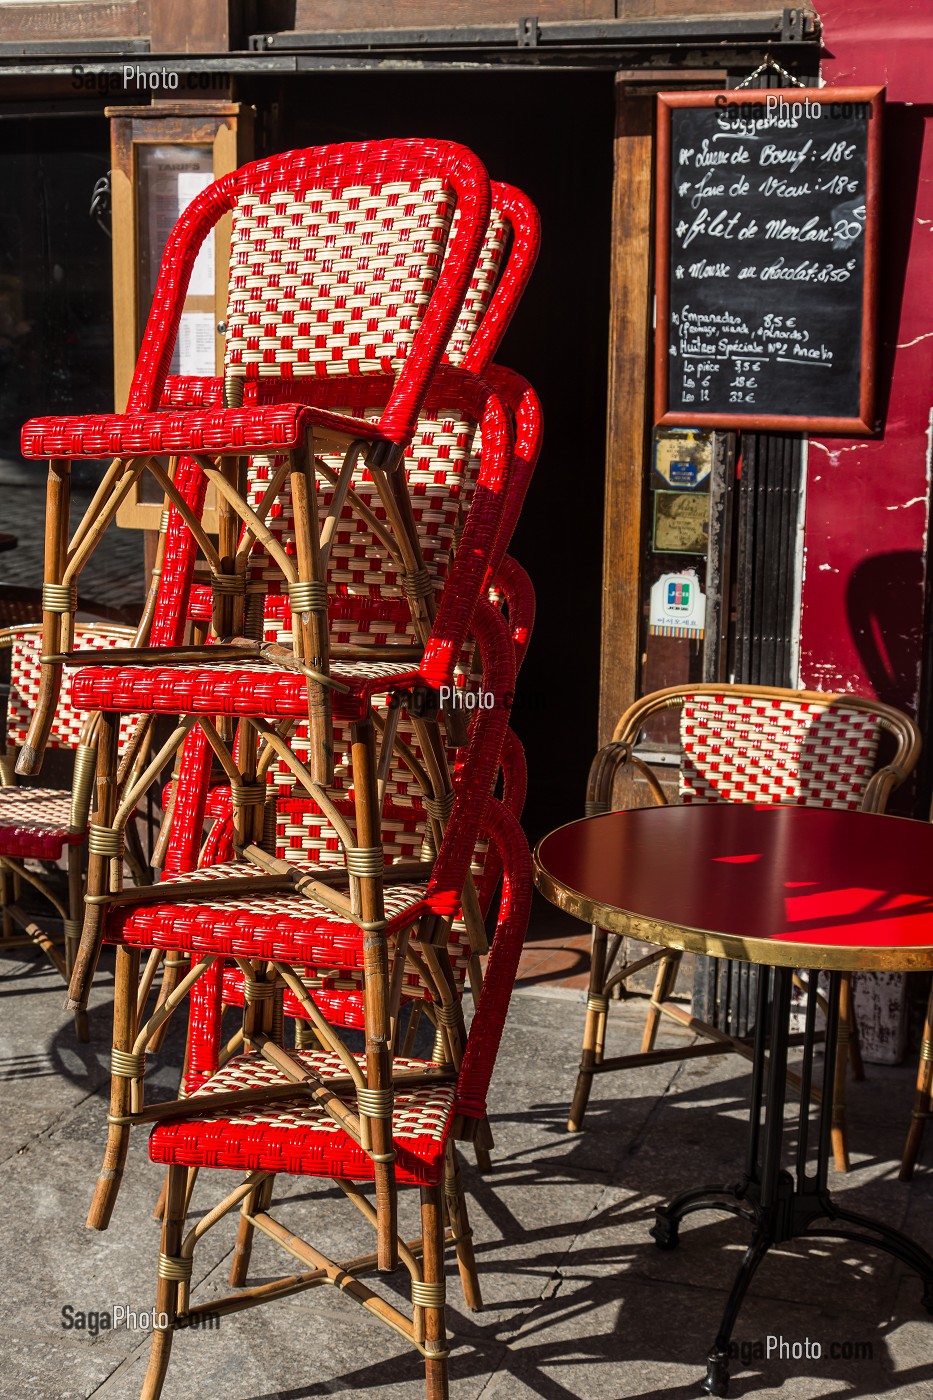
<point>830,904</point>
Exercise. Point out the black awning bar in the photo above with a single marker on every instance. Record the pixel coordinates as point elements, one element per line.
<point>780,26</point>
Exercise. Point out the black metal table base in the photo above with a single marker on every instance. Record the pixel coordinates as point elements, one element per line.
<point>780,1205</point>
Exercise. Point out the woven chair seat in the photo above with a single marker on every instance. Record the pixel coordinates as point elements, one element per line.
<point>287,927</point>
<point>233,688</point>
<point>296,1136</point>
<point>35,823</point>
<point>218,430</point>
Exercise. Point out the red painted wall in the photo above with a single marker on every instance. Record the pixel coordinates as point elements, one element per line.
<point>867,509</point>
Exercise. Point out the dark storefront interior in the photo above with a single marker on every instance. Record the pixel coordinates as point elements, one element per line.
<point>548,133</point>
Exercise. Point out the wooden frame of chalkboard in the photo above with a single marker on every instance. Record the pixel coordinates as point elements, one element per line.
<point>737,306</point>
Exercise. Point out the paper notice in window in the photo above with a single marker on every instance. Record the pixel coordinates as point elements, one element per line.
<point>195,348</point>
<point>190,184</point>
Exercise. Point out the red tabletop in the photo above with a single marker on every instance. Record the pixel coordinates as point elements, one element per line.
<point>791,886</point>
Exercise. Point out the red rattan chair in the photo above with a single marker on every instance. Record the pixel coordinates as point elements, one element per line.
<point>741,744</point>
<point>336,273</point>
<point>45,824</point>
<point>506,261</point>
<point>440,483</point>
<point>242,690</point>
<point>340,997</point>
<point>294,916</point>
<point>482,323</point>
<point>376,622</point>
<point>221,1125</point>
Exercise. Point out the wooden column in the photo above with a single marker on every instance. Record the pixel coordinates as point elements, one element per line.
<point>631,299</point>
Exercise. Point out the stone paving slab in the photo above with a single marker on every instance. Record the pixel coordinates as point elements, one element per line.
<point>579,1304</point>
<point>113,574</point>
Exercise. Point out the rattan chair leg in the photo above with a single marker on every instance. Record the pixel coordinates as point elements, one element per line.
<point>98,868</point>
<point>174,967</point>
<point>311,621</point>
<point>167,1288</point>
<point>305,1038</point>
<point>855,1047</point>
<point>375,987</point>
<point>594,1031</point>
<point>923,1102</point>
<point>159,1211</point>
<point>126,983</point>
<point>483,1157</point>
<point>840,1146</point>
<point>435,1332</point>
<point>259,1199</point>
<point>664,982</point>
<point>458,1217</point>
<point>73,929</point>
<point>58,503</point>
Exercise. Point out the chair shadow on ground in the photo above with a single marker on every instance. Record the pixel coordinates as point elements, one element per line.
<point>563,1282</point>
<point>590,1289</point>
<point>566,1300</point>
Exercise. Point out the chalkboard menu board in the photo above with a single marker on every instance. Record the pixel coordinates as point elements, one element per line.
<point>767,258</point>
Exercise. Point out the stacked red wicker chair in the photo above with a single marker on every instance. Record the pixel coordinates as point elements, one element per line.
<point>482,323</point>
<point>315,688</point>
<point>359,619</point>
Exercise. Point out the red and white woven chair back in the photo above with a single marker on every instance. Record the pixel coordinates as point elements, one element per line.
<point>755,749</point>
<point>26,652</point>
<point>330,281</point>
<point>499,280</point>
<point>482,284</point>
<point>440,468</point>
<point>303,832</point>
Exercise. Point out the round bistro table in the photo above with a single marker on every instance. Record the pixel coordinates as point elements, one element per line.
<point>784,888</point>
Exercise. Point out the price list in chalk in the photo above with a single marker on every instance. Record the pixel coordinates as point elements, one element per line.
<point>766,259</point>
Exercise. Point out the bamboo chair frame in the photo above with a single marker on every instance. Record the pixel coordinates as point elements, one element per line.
<point>607,973</point>
<point>444,1215</point>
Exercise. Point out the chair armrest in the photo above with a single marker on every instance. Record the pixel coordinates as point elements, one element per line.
<point>603,771</point>
<point>880,786</point>
<point>272,427</point>
<point>522,401</point>
<point>475,550</point>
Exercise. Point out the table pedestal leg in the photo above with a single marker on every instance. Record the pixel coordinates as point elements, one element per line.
<point>782,1206</point>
